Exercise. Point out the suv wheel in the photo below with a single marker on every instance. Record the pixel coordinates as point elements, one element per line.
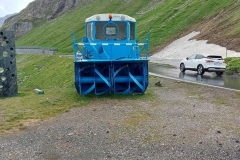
<point>200,69</point>
<point>219,73</point>
<point>182,67</point>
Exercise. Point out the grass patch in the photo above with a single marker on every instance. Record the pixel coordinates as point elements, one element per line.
<point>237,96</point>
<point>54,75</point>
<point>220,102</point>
<point>135,119</point>
<point>161,65</point>
<point>233,65</point>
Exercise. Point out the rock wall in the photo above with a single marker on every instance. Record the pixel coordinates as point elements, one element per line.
<point>8,68</point>
<point>21,28</point>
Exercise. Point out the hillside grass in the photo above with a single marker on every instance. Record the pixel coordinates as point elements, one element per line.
<point>165,20</point>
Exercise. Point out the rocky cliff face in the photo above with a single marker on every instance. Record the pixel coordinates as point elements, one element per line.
<point>23,22</point>
<point>21,28</point>
<point>2,19</point>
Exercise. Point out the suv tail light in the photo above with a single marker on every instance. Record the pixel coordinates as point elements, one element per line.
<point>209,61</point>
<point>224,61</point>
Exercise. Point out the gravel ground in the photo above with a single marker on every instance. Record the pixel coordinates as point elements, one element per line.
<point>176,121</point>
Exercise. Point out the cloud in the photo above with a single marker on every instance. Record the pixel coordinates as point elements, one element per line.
<point>12,6</point>
<point>2,11</point>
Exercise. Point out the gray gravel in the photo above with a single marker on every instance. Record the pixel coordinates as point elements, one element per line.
<point>183,121</point>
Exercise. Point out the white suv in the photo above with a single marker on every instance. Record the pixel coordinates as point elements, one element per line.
<point>201,64</point>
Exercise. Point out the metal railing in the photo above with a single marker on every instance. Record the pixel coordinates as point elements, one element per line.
<point>37,47</point>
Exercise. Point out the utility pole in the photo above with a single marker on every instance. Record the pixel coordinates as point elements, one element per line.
<point>226,52</point>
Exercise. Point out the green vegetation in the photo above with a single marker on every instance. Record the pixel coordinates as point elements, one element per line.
<point>233,65</point>
<point>49,11</point>
<point>165,20</point>
<point>135,118</point>
<point>161,65</point>
<point>54,75</point>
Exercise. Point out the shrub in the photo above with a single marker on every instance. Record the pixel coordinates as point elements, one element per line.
<point>233,65</point>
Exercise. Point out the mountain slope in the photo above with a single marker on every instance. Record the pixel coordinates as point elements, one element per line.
<point>2,19</point>
<point>165,19</point>
<point>39,12</point>
<point>45,10</point>
<point>224,28</point>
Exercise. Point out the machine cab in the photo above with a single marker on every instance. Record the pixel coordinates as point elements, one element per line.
<point>110,37</point>
<point>110,28</point>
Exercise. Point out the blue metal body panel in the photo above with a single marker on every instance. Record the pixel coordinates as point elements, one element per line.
<point>106,64</point>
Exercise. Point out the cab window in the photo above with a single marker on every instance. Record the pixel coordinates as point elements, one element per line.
<point>89,31</point>
<point>105,31</point>
<point>132,31</point>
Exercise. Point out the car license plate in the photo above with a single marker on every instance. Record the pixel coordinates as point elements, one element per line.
<point>217,64</point>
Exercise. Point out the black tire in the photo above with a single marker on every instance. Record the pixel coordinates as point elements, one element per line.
<point>200,69</point>
<point>182,67</point>
<point>219,73</point>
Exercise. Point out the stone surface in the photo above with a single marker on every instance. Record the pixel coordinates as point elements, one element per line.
<point>21,28</point>
<point>8,70</point>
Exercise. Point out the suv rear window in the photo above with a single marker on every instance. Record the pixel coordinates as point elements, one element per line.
<point>214,57</point>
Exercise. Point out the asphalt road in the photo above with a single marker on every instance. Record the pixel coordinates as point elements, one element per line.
<point>226,81</point>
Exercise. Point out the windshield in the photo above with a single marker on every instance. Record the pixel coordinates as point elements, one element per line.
<point>106,30</point>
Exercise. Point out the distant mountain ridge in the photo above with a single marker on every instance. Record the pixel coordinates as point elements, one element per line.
<point>2,19</point>
<point>38,12</point>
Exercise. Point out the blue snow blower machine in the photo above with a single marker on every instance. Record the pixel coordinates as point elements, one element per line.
<point>108,60</point>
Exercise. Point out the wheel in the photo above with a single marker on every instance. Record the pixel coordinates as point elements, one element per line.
<point>182,67</point>
<point>219,73</point>
<point>200,69</point>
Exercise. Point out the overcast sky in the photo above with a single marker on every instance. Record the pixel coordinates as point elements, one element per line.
<point>12,6</point>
